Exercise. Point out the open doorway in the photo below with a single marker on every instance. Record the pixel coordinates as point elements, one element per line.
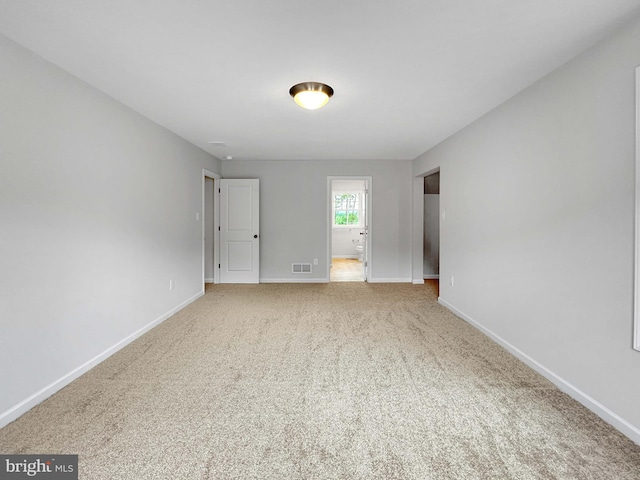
<point>349,229</point>
<point>427,218</point>
<point>210,222</point>
<point>431,238</point>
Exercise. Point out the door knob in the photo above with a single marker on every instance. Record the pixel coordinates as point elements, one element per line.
<point>255,236</point>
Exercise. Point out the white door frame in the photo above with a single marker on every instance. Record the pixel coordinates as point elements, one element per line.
<point>216,223</point>
<point>368,179</point>
<point>431,276</point>
<point>417,257</point>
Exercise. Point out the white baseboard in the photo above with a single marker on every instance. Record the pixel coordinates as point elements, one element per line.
<point>345,256</point>
<point>27,404</point>
<point>432,276</point>
<point>418,281</point>
<point>390,280</point>
<point>209,280</point>
<point>596,407</point>
<point>294,280</point>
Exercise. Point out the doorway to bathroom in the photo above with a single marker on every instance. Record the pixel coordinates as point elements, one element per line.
<point>349,228</point>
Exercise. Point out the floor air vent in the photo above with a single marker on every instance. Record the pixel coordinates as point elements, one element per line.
<point>301,268</point>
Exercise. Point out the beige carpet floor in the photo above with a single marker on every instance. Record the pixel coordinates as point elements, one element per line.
<point>334,381</point>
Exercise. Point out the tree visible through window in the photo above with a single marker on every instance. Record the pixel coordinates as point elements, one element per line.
<point>346,209</point>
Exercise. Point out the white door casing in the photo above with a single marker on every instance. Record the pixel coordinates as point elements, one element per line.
<point>207,205</point>
<point>365,232</point>
<point>239,231</point>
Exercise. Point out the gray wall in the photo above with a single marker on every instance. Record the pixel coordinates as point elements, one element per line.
<point>539,229</point>
<point>98,212</point>
<point>294,222</point>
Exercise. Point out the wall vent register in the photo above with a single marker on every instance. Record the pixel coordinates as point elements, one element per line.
<point>300,268</point>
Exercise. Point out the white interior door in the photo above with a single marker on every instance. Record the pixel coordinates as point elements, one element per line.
<point>239,231</point>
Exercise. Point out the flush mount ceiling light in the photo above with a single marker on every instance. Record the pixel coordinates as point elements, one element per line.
<point>311,95</point>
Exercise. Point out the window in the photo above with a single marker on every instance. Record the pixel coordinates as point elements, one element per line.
<point>346,210</point>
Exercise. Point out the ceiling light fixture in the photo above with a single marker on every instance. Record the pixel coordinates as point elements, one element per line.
<point>311,95</point>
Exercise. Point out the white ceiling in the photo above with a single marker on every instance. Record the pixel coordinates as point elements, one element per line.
<point>406,73</point>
